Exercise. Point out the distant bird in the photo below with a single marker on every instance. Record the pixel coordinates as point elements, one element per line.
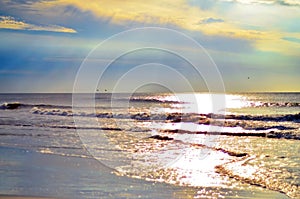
<point>248,77</point>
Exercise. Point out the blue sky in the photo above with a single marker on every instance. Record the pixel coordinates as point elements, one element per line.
<point>254,43</point>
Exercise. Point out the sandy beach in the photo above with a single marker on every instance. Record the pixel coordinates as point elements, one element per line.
<point>28,174</point>
<point>43,176</point>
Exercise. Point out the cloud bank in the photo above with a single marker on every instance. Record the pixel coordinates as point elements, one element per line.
<point>181,14</point>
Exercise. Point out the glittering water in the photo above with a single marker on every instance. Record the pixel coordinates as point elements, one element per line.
<point>183,139</point>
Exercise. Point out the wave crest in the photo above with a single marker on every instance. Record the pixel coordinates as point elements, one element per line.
<point>10,105</point>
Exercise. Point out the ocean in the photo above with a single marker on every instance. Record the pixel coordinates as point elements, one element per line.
<point>150,145</point>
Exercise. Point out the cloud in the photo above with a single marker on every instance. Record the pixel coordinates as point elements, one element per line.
<point>7,22</point>
<point>210,20</point>
<point>177,13</point>
<point>180,14</point>
<point>291,39</point>
<point>268,2</point>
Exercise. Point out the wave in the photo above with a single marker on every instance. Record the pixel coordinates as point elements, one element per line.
<point>231,153</point>
<point>206,119</point>
<point>47,150</point>
<point>276,118</point>
<point>270,134</point>
<point>10,105</point>
<point>249,104</point>
<point>59,127</point>
<point>140,116</point>
<point>170,117</point>
<point>135,116</point>
<point>17,105</point>
<point>258,177</point>
<point>274,104</point>
<point>66,110</point>
<point>154,100</point>
<point>212,118</point>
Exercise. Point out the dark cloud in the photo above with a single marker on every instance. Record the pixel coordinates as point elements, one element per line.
<point>210,20</point>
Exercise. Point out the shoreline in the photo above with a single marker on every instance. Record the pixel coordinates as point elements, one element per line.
<point>53,176</point>
<point>28,174</point>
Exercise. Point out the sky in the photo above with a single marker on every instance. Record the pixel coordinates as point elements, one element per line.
<point>255,44</point>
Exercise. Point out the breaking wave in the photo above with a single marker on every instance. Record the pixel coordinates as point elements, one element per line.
<point>265,178</point>
<point>270,134</point>
<point>17,105</point>
<point>174,117</point>
<point>10,105</point>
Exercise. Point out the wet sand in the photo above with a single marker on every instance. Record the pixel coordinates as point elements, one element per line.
<point>27,174</point>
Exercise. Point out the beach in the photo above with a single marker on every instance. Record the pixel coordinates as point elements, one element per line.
<point>27,174</point>
<point>184,99</point>
<point>147,153</point>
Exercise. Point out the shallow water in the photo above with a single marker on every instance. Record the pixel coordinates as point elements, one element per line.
<point>249,145</point>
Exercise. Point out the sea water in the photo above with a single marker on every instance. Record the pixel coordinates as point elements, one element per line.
<point>182,140</point>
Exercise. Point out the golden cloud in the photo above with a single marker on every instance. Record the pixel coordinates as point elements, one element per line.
<point>175,12</point>
<point>7,22</point>
<point>162,12</point>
